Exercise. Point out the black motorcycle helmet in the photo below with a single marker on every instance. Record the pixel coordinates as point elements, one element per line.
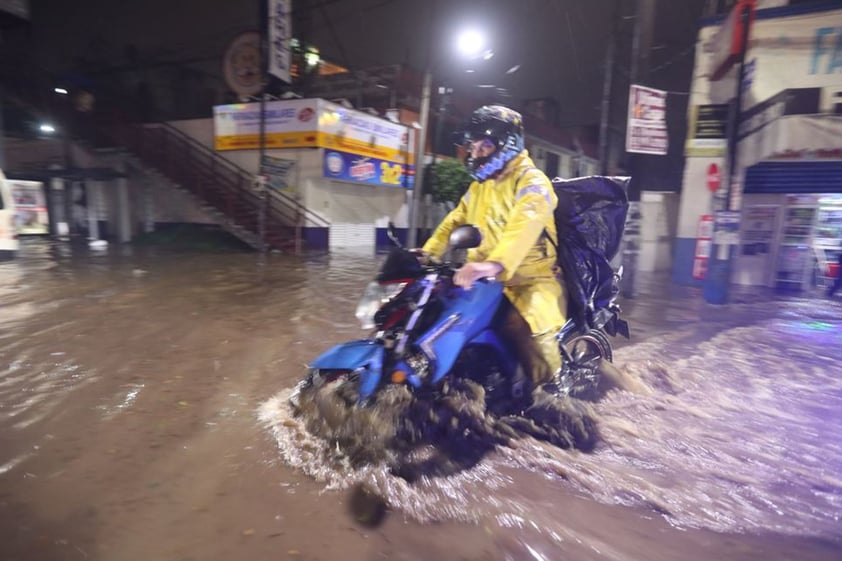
<point>503,127</point>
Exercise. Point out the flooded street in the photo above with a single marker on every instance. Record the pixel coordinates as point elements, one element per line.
<point>143,416</point>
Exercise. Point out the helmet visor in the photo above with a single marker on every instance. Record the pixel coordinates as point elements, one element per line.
<point>492,129</point>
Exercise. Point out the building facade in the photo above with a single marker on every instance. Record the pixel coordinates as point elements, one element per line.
<point>353,169</point>
<point>787,180</point>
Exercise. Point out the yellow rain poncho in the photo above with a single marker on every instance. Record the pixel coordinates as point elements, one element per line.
<point>513,212</point>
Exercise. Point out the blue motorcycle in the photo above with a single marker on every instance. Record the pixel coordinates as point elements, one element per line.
<point>430,336</point>
<point>428,330</point>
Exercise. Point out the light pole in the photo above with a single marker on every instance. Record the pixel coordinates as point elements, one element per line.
<point>412,235</point>
<point>470,43</point>
<point>715,289</point>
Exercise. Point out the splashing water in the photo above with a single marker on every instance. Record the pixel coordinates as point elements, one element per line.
<point>736,433</point>
<point>400,440</point>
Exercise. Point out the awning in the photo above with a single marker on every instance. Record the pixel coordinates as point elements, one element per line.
<point>793,137</point>
<point>794,177</point>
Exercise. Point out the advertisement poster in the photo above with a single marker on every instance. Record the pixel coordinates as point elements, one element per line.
<point>277,171</point>
<point>759,229</point>
<point>704,241</point>
<point>646,132</point>
<point>31,216</point>
<point>343,166</point>
<point>726,232</point>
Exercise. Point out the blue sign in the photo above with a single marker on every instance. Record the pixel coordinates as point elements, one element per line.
<point>363,169</point>
<point>827,50</point>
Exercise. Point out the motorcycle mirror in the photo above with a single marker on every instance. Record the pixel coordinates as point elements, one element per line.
<point>465,237</point>
<point>392,234</point>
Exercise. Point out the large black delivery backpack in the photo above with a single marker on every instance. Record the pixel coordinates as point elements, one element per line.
<point>590,218</point>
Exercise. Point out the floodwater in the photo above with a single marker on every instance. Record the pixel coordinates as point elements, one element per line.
<point>143,416</point>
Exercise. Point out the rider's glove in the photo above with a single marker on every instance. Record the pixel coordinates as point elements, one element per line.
<point>425,258</point>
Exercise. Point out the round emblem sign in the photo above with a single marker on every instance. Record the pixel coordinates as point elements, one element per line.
<point>241,64</point>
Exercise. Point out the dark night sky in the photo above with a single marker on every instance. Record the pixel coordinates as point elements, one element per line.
<point>560,45</point>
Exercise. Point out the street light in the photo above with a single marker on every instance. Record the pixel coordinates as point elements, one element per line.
<point>471,43</point>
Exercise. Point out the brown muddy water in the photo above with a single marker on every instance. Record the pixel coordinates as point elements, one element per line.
<point>143,416</point>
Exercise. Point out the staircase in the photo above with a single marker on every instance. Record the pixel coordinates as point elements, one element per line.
<point>263,220</point>
<point>268,220</point>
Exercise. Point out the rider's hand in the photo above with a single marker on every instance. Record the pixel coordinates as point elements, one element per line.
<point>469,273</point>
<point>423,257</point>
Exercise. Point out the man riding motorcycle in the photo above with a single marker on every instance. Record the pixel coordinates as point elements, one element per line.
<point>512,202</point>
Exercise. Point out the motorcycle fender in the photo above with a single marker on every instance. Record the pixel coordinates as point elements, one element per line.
<point>363,356</point>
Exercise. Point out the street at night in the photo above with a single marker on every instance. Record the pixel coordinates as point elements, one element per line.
<point>415,280</point>
<point>143,417</point>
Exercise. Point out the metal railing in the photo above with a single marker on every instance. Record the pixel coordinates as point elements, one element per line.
<point>216,181</point>
<point>219,183</point>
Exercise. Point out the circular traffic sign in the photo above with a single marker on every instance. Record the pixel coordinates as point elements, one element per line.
<point>714,178</point>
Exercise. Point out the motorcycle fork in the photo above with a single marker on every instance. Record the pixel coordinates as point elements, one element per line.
<point>429,284</point>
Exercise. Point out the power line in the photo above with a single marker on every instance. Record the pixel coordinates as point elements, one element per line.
<point>332,30</point>
<point>674,59</point>
<point>573,44</point>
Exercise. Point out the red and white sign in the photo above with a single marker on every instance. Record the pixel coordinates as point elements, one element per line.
<point>714,178</point>
<point>728,42</point>
<point>646,131</point>
<point>704,241</point>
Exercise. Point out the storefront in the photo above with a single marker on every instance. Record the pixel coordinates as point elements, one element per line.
<point>353,169</point>
<point>787,184</point>
<point>790,242</point>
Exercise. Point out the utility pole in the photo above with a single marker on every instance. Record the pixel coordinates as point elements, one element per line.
<point>607,84</point>
<point>417,188</point>
<point>262,19</point>
<point>641,46</point>
<point>718,277</point>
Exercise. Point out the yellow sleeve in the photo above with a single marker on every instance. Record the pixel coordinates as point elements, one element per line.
<point>535,202</point>
<point>437,244</point>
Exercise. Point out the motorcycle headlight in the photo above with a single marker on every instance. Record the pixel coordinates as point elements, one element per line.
<point>374,297</point>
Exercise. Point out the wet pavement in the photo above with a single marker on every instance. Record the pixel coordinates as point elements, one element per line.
<point>142,416</point>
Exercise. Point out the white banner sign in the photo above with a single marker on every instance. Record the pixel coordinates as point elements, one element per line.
<point>646,132</point>
<point>280,33</point>
<point>299,123</point>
